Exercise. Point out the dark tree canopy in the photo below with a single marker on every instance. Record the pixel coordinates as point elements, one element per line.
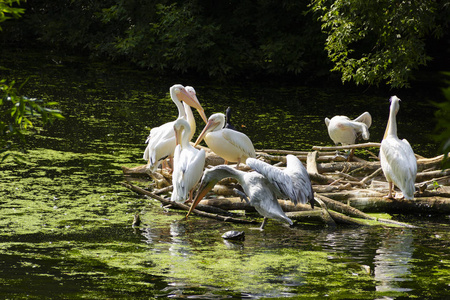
<point>377,41</point>
<point>368,42</point>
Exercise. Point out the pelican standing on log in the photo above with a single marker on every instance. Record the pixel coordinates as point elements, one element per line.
<point>161,141</point>
<point>397,157</point>
<point>231,145</point>
<point>188,163</point>
<point>345,131</point>
<point>263,186</point>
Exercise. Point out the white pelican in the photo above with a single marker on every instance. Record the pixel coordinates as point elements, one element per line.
<point>263,186</point>
<point>397,157</point>
<point>161,141</point>
<point>229,144</point>
<point>345,131</point>
<point>188,163</point>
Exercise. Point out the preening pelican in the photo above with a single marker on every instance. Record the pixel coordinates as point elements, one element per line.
<point>228,119</point>
<point>161,141</point>
<point>188,163</point>
<point>345,131</point>
<point>263,186</point>
<point>397,157</point>
<point>231,145</point>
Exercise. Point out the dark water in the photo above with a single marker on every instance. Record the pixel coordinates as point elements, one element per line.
<point>65,221</point>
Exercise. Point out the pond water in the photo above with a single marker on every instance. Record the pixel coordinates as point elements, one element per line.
<point>65,220</point>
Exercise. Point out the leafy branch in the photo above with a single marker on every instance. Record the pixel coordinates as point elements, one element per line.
<point>17,114</point>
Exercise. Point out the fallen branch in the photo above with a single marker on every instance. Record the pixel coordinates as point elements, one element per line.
<point>354,146</point>
<point>432,174</point>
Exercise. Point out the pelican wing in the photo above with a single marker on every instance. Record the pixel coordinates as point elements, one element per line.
<point>280,180</point>
<point>193,169</point>
<point>300,179</point>
<point>239,140</point>
<point>177,177</point>
<point>365,118</point>
<point>159,136</point>
<point>360,128</point>
<point>399,164</point>
<point>188,169</point>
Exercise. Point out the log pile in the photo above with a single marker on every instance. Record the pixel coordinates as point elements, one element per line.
<point>343,188</point>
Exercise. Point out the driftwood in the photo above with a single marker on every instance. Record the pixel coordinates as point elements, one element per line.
<point>345,190</point>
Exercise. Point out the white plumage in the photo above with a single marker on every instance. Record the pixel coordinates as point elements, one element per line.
<point>188,163</point>
<point>231,145</point>
<point>345,131</point>
<point>264,186</point>
<point>397,157</point>
<point>161,141</point>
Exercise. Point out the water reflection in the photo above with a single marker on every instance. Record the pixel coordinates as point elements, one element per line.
<point>393,261</point>
<point>234,245</point>
<point>179,247</point>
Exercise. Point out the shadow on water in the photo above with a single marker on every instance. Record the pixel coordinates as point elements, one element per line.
<point>65,222</point>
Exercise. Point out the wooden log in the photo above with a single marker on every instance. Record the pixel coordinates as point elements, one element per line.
<point>347,166</point>
<point>163,190</point>
<point>368,179</point>
<point>235,203</point>
<point>311,165</point>
<point>228,203</point>
<point>317,217</point>
<point>432,175</point>
<point>373,201</point>
<point>442,181</point>
<point>306,216</point>
<point>354,146</point>
<point>325,214</point>
<point>138,170</point>
<point>342,208</point>
<point>368,167</point>
<point>303,158</point>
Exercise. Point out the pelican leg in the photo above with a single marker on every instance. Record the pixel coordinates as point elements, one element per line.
<point>350,155</point>
<point>190,196</point>
<point>391,187</point>
<point>241,195</point>
<point>263,224</point>
<point>171,163</point>
<point>238,162</point>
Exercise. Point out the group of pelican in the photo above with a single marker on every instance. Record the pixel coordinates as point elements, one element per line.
<point>263,186</point>
<point>397,158</point>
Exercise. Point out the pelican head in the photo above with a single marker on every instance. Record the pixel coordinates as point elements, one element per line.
<point>187,95</point>
<point>395,106</point>
<point>395,103</point>
<point>207,183</point>
<point>191,91</point>
<point>215,121</point>
<point>179,126</point>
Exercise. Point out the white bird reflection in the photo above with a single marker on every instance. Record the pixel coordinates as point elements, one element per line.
<point>179,247</point>
<point>392,262</point>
